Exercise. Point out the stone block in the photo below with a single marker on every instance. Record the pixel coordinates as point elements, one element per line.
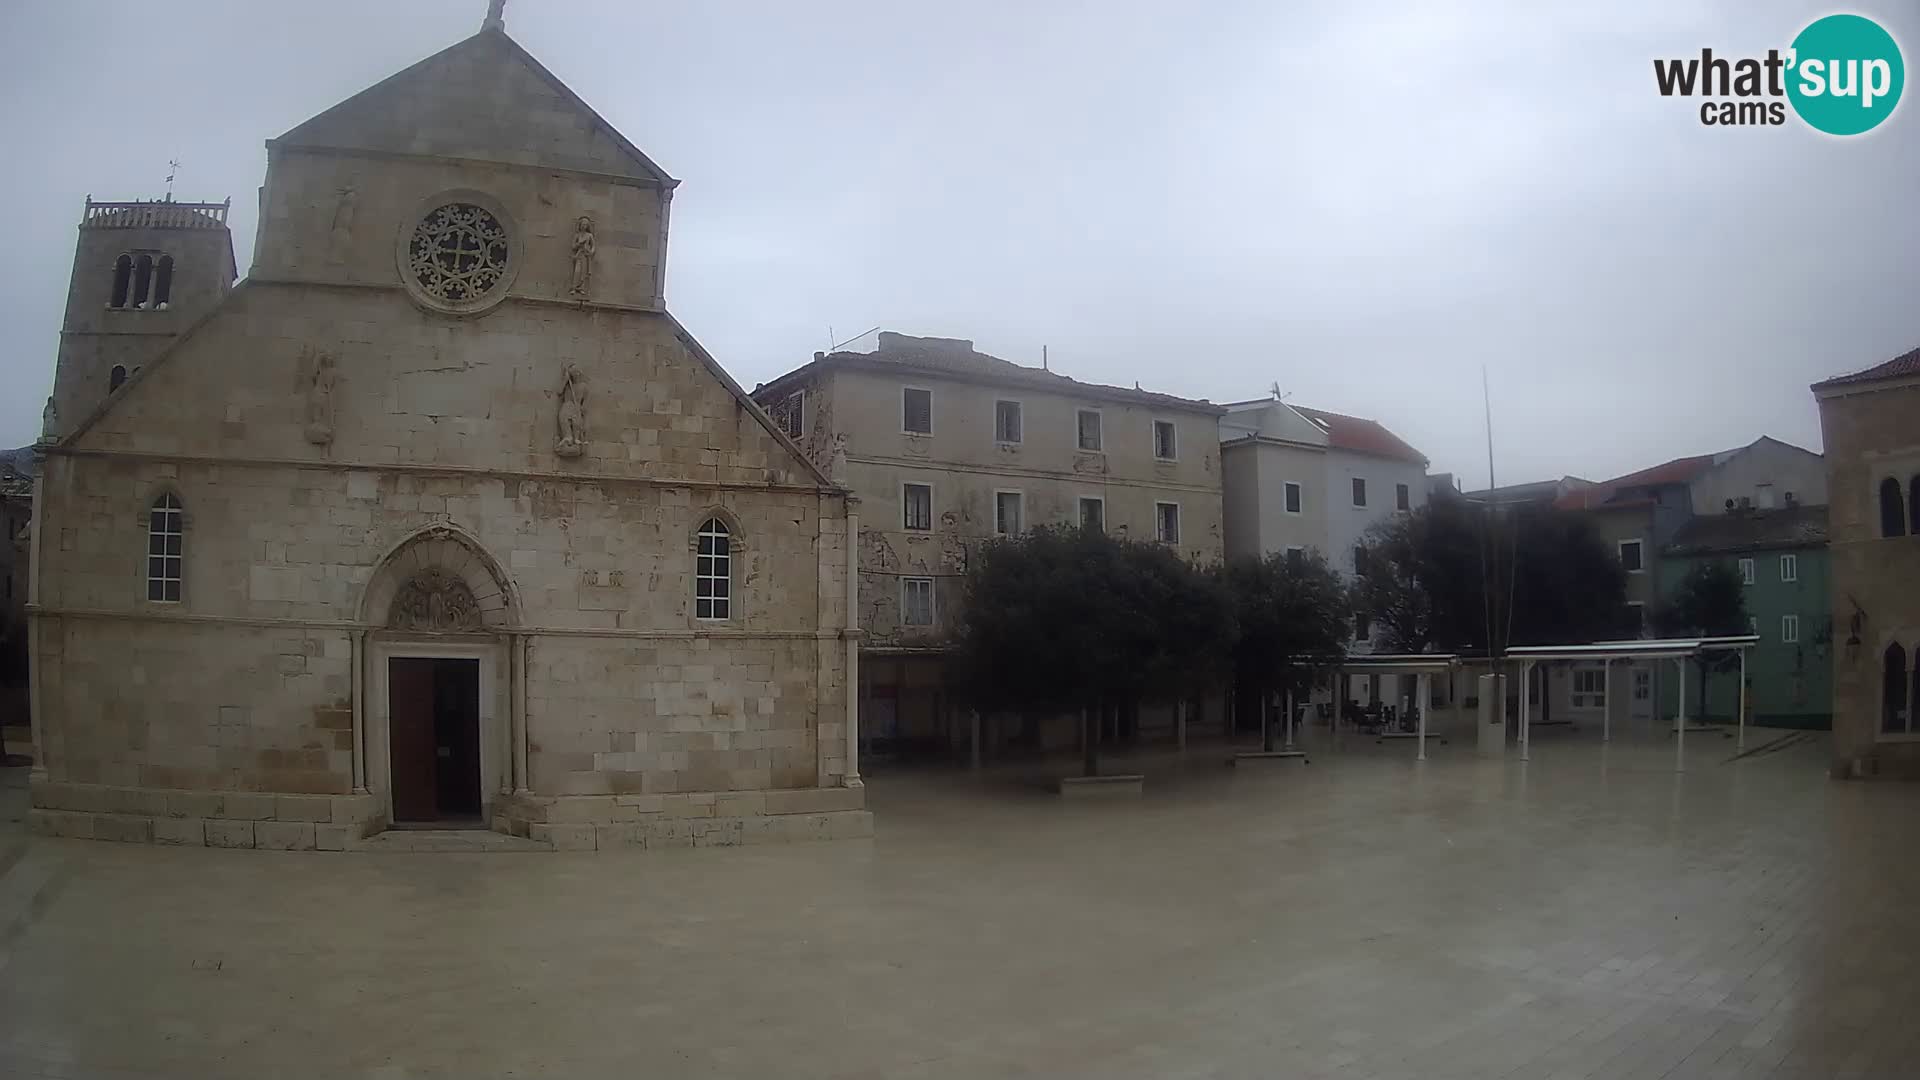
<point>196,804</point>
<point>815,800</point>
<point>335,837</point>
<point>687,808</point>
<point>581,808</point>
<point>126,828</point>
<point>740,804</point>
<point>67,823</point>
<point>634,805</point>
<point>1117,784</point>
<point>191,832</point>
<point>303,808</point>
<point>284,835</point>
<point>353,809</point>
<point>227,833</point>
<point>247,806</point>
<point>562,837</point>
<point>86,798</point>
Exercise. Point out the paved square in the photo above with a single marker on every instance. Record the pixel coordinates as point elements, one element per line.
<point>1590,914</point>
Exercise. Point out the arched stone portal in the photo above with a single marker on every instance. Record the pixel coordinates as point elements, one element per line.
<point>441,681</point>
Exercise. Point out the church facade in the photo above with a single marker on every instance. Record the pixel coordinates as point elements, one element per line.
<point>437,518</point>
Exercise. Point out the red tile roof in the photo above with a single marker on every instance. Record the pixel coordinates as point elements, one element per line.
<point>1902,366</point>
<point>1361,436</point>
<point>1678,471</point>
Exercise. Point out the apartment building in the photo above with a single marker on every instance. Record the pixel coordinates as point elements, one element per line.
<point>947,447</point>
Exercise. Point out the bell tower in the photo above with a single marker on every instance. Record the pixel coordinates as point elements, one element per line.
<point>143,272</point>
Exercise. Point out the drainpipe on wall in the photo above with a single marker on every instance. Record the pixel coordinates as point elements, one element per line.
<point>852,636</point>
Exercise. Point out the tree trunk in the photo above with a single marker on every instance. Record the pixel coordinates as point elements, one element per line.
<point>1266,720</point>
<point>1089,742</point>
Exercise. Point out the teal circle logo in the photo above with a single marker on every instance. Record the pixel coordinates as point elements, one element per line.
<point>1845,74</point>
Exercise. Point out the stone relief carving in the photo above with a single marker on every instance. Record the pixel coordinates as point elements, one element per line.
<point>49,421</point>
<point>435,602</point>
<point>343,210</point>
<point>571,419</point>
<point>876,551</point>
<point>318,380</point>
<point>837,460</point>
<point>582,258</point>
<point>1090,463</point>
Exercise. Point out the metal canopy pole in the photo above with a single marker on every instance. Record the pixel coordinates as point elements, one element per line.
<point>1526,705</point>
<point>1741,742</point>
<point>1680,721</point>
<point>1423,686</point>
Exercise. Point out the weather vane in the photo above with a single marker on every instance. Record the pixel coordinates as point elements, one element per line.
<point>172,167</point>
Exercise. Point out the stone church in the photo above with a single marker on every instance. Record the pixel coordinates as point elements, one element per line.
<point>437,518</point>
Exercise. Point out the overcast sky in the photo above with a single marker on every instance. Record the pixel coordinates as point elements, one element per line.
<point>1363,202</point>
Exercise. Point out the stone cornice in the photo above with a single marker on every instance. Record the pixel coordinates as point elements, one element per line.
<point>414,469</point>
<point>511,297</point>
<point>349,626</point>
<point>278,146</point>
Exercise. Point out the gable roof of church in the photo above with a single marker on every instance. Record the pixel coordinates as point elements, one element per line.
<point>438,118</point>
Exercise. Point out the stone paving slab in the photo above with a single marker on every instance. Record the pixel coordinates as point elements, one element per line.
<point>1591,914</point>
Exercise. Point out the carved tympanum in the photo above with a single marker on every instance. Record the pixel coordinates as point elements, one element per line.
<point>434,601</point>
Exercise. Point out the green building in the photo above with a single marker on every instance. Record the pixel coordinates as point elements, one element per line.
<point>1782,557</point>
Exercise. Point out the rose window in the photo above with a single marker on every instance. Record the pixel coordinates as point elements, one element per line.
<point>458,253</point>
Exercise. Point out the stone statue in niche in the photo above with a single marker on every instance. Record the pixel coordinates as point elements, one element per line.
<point>49,422</point>
<point>582,257</point>
<point>319,382</point>
<point>837,460</point>
<point>571,440</point>
<point>434,602</point>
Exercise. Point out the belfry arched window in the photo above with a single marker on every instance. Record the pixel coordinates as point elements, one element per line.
<point>166,533</point>
<point>1895,717</point>
<point>142,281</point>
<point>163,282</point>
<point>122,281</point>
<point>1893,516</point>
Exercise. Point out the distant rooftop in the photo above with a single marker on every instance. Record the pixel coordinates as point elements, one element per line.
<point>1352,433</point>
<point>958,358</point>
<point>1906,365</point>
<point>1787,527</point>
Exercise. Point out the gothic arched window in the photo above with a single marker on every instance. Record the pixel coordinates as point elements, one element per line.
<point>1894,717</point>
<point>713,571</point>
<point>115,377</point>
<point>1893,516</point>
<point>165,532</point>
<point>122,280</point>
<point>1913,505</point>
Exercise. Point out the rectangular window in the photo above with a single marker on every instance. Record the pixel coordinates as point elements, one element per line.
<point>1753,625</point>
<point>1630,556</point>
<point>1359,491</point>
<point>1009,513</point>
<point>1637,616</point>
<point>165,533</point>
<point>1763,496</point>
<point>1789,568</point>
<point>1746,572</point>
<point>1006,421</point>
<point>1589,688</point>
<point>1790,628</point>
<point>1093,513</point>
<point>1362,626</point>
<point>792,414</point>
<point>1164,446</point>
<point>1291,493</point>
<point>1167,516</point>
<point>1642,684</point>
<point>916,601</point>
<point>916,411</point>
<point>713,572</point>
<point>1296,557</point>
<point>1360,558</point>
<point>1088,423</point>
<point>916,501</point>
<point>1402,497</point>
